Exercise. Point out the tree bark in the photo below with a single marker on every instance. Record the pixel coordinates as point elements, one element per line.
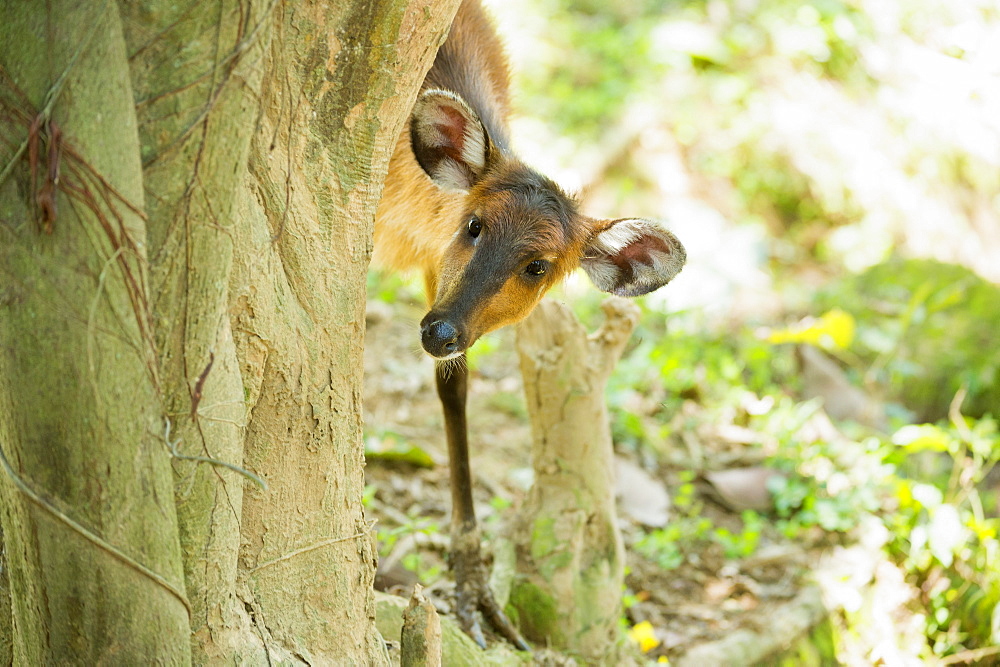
<point>196,71</point>
<point>570,558</point>
<point>340,81</point>
<point>89,521</point>
<point>6,628</point>
<point>263,137</point>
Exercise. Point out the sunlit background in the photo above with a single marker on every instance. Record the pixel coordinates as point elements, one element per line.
<point>773,136</point>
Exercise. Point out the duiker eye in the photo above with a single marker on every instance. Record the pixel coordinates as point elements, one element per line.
<point>475,227</point>
<point>537,268</point>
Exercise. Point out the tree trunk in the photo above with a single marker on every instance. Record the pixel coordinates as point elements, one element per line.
<point>6,628</point>
<point>196,71</point>
<point>570,560</point>
<point>340,82</point>
<point>263,137</point>
<point>89,521</point>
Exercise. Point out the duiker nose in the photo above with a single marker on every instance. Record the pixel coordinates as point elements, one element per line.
<point>440,338</point>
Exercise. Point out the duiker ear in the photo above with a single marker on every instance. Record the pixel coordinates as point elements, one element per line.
<point>448,140</point>
<point>632,256</point>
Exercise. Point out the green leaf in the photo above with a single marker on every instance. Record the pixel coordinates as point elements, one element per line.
<point>389,448</point>
<point>921,438</point>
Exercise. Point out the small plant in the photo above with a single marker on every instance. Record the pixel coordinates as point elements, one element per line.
<point>388,537</point>
<point>670,546</point>
<point>415,560</point>
<point>743,543</point>
<point>417,563</point>
<point>944,539</point>
<point>667,547</point>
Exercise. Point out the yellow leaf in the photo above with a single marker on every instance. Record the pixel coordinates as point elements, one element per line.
<point>644,635</point>
<point>922,437</point>
<point>834,329</point>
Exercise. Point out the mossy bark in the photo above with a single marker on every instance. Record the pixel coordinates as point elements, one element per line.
<point>420,639</point>
<point>339,82</point>
<point>6,627</point>
<point>570,559</point>
<point>196,70</point>
<point>89,521</point>
<point>263,137</point>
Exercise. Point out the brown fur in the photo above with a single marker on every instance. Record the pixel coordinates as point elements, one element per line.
<point>416,219</point>
<point>445,172</point>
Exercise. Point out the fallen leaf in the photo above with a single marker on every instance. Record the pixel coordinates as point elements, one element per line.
<point>741,489</point>
<point>641,496</point>
<point>823,378</point>
<point>832,330</point>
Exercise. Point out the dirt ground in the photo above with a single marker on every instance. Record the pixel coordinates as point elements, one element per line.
<point>704,604</point>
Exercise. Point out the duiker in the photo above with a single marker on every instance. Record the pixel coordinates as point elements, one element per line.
<point>490,236</point>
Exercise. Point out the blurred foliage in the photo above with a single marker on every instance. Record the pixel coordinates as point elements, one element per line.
<point>390,288</point>
<point>875,117</point>
<point>394,448</point>
<point>919,330</point>
<point>945,532</point>
<point>928,484</point>
<point>690,534</point>
<point>426,567</point>
<point>621,48</point>
<point>800,116</point>
<point>720,55</point>
<point>926,330</point>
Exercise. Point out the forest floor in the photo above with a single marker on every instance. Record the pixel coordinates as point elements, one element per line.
<point>705,606</point>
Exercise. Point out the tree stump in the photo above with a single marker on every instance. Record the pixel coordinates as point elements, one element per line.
<point>420,640</point>
<point>567,588</point>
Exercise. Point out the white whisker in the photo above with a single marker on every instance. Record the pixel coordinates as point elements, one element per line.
<point>448,366</point>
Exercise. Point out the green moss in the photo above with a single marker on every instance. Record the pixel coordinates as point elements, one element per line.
<point>535,612</point>
<point>543,538</point>
<point>545,548</point>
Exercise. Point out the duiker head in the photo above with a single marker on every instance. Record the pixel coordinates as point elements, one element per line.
<point>518,234</point>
